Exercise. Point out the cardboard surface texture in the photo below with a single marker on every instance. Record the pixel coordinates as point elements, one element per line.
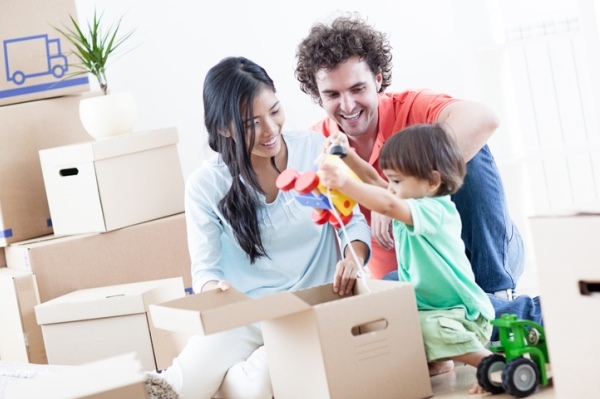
<point>118,377</point>
<point>318,344</point>
<point>147,251</point>
<point>87,325</point>
<point>113,183</point>
<point>34,57</point>
<point>25,129</point>
<point>566,258</point>
<point>20,335</point>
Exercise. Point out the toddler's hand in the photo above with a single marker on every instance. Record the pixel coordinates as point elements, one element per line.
<point>331,175</point>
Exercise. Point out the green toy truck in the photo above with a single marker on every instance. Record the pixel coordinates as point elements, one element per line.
<point>518,365</point>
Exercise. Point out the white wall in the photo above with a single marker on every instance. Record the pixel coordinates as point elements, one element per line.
<point>176,43</point>
<point>460,47</point>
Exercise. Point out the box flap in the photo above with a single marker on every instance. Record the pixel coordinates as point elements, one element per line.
<point>110,301</point>
<point>108,148</point>
<point>215,310</point>
<point>116,377</point>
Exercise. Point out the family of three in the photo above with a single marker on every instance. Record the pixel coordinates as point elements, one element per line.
<point>432,209</point>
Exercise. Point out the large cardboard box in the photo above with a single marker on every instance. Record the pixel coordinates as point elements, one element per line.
<point>147,251</point>
<point>118,377</point>
<point>20,335</point>
<point>24,130</point>
<point>567,261</point>
<point>35,60</point>
<point>91,324</point>
<point>318,345</point>
<point>113,183</point>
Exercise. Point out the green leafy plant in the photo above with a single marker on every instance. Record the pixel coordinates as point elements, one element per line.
<point>93,47</point>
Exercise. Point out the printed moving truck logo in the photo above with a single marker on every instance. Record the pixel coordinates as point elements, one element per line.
<point>33,64</point>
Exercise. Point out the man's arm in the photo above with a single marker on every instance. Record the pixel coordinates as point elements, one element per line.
<point>471,123</point>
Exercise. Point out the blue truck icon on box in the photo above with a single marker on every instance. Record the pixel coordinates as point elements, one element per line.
<point>20,65</point>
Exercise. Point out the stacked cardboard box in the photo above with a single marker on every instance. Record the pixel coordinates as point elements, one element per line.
<point>112,378</point>
<point>75,213</point>
<point>565,251</point>
<point>35,60</point>
<point>39,102</point>
<point>18,298</point>
<point>91,324</point>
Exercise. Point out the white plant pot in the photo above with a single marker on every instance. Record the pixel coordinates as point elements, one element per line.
<point>108,115</point>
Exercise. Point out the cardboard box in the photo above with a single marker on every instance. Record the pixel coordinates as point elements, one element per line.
<point>119,377</point>
<point>320,345</point>
<point>91,324</point>
<point>147,251</point>
<point>20,336</point>
<point>113,183</point>
<point>34,58</point>
<point>566,258</point>
<point>25,129</point>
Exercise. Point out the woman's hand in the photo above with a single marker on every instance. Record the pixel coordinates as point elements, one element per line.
<point>222,285</point>
<point>381,230</point>
<point>346,272</point>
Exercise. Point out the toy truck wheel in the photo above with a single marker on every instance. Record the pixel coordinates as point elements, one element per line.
<point>520,377</point>
<point>488,366</point>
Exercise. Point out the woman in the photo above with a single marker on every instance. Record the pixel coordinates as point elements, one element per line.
<point>245,233</point>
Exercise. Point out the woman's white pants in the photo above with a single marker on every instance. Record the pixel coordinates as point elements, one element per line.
<point>231,364</point>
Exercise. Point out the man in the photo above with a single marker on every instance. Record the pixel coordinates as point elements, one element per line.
<point>345,67</point>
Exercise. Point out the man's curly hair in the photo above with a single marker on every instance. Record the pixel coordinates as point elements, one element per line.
<point>347,36</point>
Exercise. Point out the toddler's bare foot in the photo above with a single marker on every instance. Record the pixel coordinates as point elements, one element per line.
<point>476,389</point>
<point>436,368</point>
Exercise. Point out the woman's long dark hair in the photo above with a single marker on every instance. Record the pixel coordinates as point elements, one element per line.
<point>229,91</point>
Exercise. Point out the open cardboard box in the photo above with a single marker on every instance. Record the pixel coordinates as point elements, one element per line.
<point>320,345</point>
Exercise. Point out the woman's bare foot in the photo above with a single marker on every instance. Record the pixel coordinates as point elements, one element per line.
<point>442,367</point>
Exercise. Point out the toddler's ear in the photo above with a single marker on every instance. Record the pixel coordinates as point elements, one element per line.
<point>435,181</point>
<point>224,133</point>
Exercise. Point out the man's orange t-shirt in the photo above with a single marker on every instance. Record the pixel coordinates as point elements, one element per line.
<point>396,111</point>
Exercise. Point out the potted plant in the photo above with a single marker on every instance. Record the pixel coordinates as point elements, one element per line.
<point>111,113</point>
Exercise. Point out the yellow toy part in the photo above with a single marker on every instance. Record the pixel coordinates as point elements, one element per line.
<point>342,203</point>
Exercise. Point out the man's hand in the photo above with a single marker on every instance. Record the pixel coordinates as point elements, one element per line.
<point>381,227</point>
<point>336,139</point>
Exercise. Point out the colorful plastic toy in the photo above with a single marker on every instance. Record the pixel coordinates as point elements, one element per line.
<point>520,359</point>
<point>312,194</point>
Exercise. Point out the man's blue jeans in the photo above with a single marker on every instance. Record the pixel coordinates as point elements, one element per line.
<point>492,241</point>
